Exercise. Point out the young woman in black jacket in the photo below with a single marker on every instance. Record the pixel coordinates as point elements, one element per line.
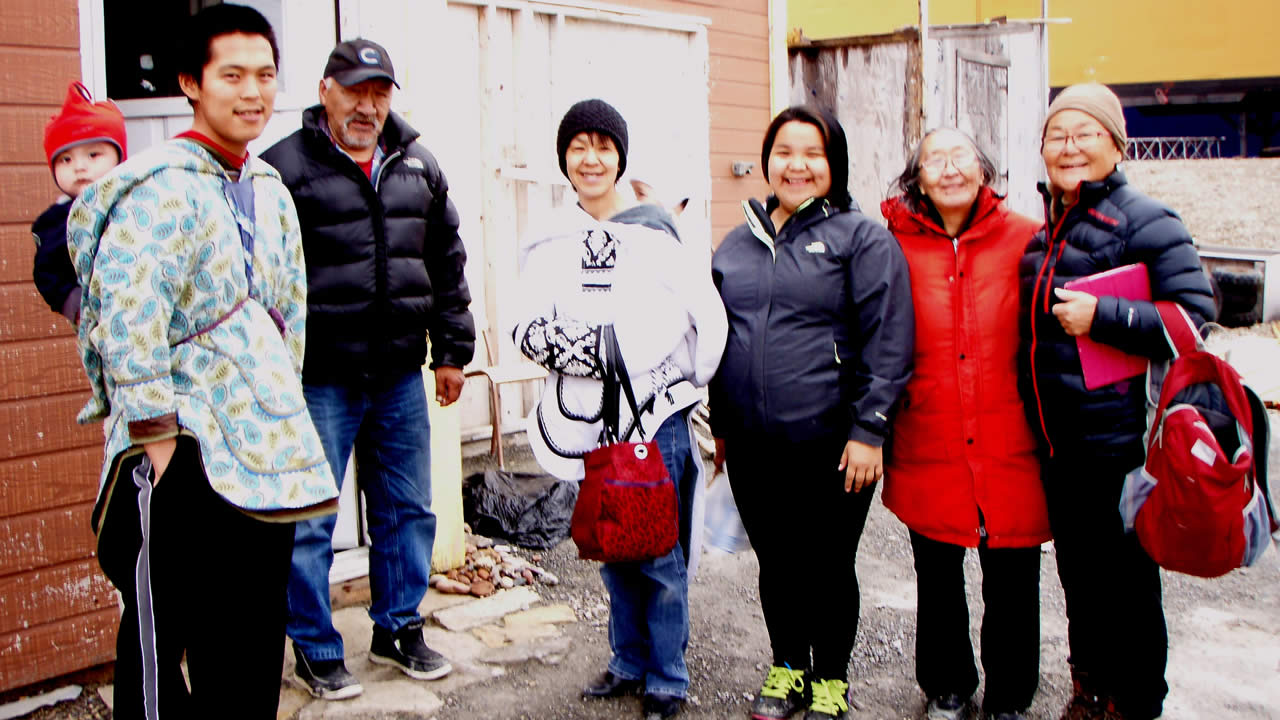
<point>820,344</point>
<point>1092,437</point>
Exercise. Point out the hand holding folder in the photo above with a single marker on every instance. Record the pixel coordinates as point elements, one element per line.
<point>1104,364</point>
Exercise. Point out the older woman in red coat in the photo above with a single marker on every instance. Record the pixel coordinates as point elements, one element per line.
<point>962,469</point>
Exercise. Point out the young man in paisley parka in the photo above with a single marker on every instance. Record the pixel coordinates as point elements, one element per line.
<point>191,334</point>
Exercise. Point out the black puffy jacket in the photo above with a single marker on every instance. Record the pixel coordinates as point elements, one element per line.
<point>821,329</point>
<point>52,271</point>
<point>1110,225</point>
<point>384,260</point>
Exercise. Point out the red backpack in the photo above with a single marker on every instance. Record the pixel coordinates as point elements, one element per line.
<point>1200,504</point>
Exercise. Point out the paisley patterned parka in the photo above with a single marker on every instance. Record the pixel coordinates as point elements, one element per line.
<point>179,335</point>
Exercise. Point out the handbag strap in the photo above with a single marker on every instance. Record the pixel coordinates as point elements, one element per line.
<point>615,375</point>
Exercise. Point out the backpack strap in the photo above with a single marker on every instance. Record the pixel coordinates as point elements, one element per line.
<point>1179,330</point>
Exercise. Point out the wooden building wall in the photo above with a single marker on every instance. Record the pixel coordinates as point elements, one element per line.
<point>57,613</point>
<point>738,43</point>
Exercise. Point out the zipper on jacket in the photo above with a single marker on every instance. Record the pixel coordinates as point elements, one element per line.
<point>383,167</point>
<point>836,347</point>
<point>1051,234</point>
<point>758,230</point>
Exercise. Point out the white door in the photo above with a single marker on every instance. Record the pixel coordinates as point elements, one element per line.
<point>487,83</point>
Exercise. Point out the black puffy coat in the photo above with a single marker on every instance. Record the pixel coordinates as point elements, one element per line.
<point>1110,225</point>
<point>821,328</point>
<point>384,259</point>
<point>52,271</point>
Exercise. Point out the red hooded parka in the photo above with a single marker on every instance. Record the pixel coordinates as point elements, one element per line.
<point>961,458</point>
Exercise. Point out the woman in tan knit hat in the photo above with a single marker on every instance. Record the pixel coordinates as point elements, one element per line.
<point>1091,433</point>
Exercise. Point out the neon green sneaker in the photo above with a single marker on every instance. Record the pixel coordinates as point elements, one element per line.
<point>830,700</point>
<point>781,696</point>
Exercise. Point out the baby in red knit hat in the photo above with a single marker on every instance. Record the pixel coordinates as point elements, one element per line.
<point>82,143</point>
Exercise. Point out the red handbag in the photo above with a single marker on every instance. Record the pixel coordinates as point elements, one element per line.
<point>627,509</point>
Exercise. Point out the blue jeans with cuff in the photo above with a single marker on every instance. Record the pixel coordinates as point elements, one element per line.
<point>649,601</point>
<point>389,429</point>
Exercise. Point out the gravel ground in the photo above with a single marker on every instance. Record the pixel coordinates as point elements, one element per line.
<point>1230,201</point>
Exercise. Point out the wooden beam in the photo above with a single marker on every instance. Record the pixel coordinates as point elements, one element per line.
<point>47,595</point>
<point>29,189</point>
<point>47,651</point>
<point>43,425</point>
<point>42,73</point>
<point>41,23</point>
<point>40,368</point>
<point>41,482</point>
<point>40,539</point>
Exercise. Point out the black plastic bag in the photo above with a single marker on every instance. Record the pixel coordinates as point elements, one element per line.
<point>529,510</point>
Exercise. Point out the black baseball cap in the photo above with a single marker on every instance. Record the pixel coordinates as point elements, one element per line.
<point>355,61</point>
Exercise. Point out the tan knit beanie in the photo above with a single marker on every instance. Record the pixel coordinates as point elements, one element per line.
<point>1096,100</point>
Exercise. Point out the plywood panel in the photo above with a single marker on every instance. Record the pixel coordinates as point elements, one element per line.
<point>38,368</point>
<point>745,94</point>
<point>28,190</point>
<point>22,133</point>
<point>36,76</point>
<point>41,539</point>
<point>729,44</point>
<point>738,141</point>
<point>17,252</point>
<point>24,315</point>
<point>43,425</point>
<point>58,648</point>
<point>740,69</point>
<point>41,23</point>
<point>53,593</point>
<point>42,482</point>
<point>728,117</point>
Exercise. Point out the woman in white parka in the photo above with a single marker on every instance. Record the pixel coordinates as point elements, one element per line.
<point>609,262</point>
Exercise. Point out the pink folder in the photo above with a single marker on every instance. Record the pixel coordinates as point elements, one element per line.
<point>1105,364</point>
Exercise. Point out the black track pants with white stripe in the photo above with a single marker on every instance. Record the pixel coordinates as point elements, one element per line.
<point>216,595</point>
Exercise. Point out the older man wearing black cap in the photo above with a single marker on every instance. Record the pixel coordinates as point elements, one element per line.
<point>384,273</point>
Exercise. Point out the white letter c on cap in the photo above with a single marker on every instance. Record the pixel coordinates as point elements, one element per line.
<point>369,56</point>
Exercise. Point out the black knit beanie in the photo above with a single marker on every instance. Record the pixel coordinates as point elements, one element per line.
<point>592,115</point>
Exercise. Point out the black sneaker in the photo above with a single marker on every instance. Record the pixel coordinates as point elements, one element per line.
<point>947,707</point>
<point>661,707</point>
<point>781,696</point>
<point>406,650</point>
<point>325,679</point>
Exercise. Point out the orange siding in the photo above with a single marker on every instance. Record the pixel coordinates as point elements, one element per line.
<point>57,613</point>
<point>738,42</point>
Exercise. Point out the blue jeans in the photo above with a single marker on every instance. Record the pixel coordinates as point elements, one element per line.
<point>649,601</point>
<point>388,427</point>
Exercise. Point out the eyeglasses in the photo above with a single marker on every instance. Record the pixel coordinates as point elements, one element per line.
<point>960,160</point>
<point>1083,141</point>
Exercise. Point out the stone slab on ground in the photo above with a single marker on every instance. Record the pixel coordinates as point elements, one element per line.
<point>390,699</point>
<point>548,651</point>
<point>495,636</point>
<point>560,613</point>
<point>28,705</point>
<point>292,699</point>
<point>486,610</point>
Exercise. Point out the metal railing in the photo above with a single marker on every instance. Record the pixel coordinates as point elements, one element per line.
<point>1174,148</point>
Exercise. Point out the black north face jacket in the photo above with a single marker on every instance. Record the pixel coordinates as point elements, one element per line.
<point>821,327</point>
<point>384,259</point>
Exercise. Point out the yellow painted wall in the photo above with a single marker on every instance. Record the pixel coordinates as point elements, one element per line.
<point>1111,41</point>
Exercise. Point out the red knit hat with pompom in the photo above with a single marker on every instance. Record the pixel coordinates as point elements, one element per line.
<point>81,120</point>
